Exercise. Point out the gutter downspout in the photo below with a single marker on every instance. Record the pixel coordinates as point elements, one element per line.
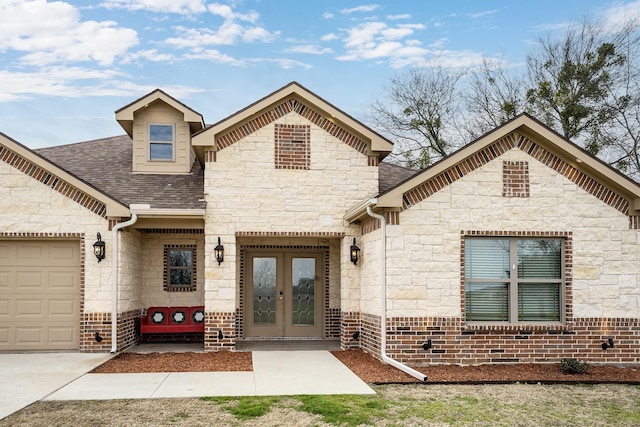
<point>114,279</point>
<point>383,296</point>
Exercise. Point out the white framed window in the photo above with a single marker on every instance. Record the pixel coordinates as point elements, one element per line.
<point>513,280</point>
<point>161,142</point>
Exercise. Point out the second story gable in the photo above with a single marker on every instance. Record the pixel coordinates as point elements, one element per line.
<point>160,128</point>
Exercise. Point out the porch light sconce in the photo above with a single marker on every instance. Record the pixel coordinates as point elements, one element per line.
<point>427,345</point>
<point>608,344</point>
<point>355,252</point>
<point>219,252</point>
<point>98,337</point>
<point>98,248</point>
<point>220,334</point>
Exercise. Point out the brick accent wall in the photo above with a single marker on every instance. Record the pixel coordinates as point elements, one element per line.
<point>496,149</point>
<point>292,146</point>
<point>515,179</point>
<point>372,224</point>
<point>349,325</point>
<point>52,181</point>
<point>283,108</point>
<point>128,331</point>
<point>216,323</point>
<point>455,343</point>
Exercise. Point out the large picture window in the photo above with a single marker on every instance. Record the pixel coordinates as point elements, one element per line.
<point>513,279</point>
<point>180,268</point>
<point>161,138</point>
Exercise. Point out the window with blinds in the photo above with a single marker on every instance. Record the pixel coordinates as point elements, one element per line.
<point>513,280</point>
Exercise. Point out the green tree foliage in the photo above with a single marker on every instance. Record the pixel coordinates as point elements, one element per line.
<point>570,78</point>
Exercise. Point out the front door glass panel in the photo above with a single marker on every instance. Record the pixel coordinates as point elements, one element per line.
<point>264,291</point>
<point>303,272</point>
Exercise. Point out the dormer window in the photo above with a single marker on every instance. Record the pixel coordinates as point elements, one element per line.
<point>161,142</point>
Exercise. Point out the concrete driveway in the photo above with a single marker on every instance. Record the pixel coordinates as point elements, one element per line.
<point>28,377</point>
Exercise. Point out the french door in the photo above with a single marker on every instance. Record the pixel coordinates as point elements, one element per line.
<point>284,294</point>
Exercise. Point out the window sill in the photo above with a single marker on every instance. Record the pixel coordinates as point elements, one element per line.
<point>520,328</point>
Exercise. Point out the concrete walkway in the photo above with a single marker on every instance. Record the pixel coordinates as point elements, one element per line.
<point>274,373</point>
<point>28,377</point>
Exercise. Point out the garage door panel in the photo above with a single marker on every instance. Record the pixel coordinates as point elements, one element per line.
<point>29,308</point>
<point>28,335</point>
<point>63,309</point>
<point>5,308</point>
<point>5,280</point>
<point>33,281</point>
<point>62,335</point>
<point>64,280</point>
<point>39,295</point>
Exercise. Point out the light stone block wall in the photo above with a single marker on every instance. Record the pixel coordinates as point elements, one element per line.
<point>30,207</point>
<point>370,286</point>
<point>247,194</point>
<point>152,283</point>
<point>130,270</point>
<point>424,255</point>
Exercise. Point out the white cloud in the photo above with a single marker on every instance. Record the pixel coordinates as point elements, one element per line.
<point>617,15</point>
<point>285,64</point>
<point>363,8</point>
<point>214,55</point>
<point>329,37</point>
<point>50,33</point>
<point>230,32</point>
<point>558,26</point>
<point>161,6</point>
<point>484,13</point>
<point>152,55</point>
<point>397,17</point>
<point>311,49</point>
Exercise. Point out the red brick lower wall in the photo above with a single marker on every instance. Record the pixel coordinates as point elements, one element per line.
<point>216,323</point>
<point>128,331</point>
<point>453,342</point>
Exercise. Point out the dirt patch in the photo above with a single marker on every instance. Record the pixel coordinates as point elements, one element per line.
<point>370,370</point>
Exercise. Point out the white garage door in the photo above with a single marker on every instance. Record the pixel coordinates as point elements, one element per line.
<point>39,295</point>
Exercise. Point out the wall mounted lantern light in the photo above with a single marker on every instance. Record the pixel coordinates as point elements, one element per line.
<point>219,252</point>
<point>98,248</point>
<point>355,252</point>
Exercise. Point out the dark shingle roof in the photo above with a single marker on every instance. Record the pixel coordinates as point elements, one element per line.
<point>390,175</point>
<point>107,163</point>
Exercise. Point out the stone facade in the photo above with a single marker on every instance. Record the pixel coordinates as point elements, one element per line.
<point>258,202</point>
<point>425,254</point>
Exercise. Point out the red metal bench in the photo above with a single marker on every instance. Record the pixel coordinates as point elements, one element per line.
<point>173,320</point>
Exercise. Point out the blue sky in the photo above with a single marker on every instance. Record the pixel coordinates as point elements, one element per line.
<point>66,66</point>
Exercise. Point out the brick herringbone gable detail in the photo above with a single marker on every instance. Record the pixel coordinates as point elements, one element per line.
<point>498,148</point>
<point>52,181</point>
<point>279,110</point>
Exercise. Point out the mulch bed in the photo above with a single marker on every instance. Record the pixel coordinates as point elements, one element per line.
<point>370,370</point>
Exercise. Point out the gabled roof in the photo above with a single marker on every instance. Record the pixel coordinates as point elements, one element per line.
<point>390,175</point>
<point>106,164</point>
<point>275,105</point>
<point>538,140</point>
<point>60,179</point>
<point>125,115</point>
